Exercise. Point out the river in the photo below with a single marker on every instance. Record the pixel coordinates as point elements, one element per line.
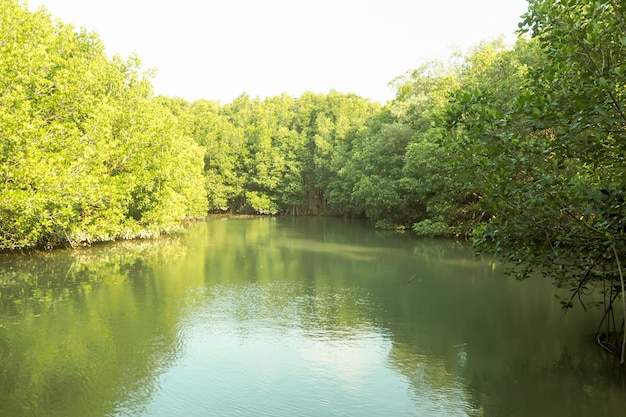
<point>280,316</point>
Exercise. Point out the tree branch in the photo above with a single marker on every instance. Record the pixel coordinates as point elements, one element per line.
<point>621,278</point>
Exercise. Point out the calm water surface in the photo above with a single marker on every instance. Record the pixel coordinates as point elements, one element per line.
<point>291,317</point>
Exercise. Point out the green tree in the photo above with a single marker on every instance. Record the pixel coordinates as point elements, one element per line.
<point>551,163</point>
<point>435,196</point>
<point>328,123</point>
<point>224,150</point>
<point>376,168</point>
<point>87,154</point>
<point>396,172</point>
<point>293,147</point>
<point>491,74</point>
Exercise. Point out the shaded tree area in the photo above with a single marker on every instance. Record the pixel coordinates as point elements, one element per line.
<point>273,156</point>
<point>550,164</point>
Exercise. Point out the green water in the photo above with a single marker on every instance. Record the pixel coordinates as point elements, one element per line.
<point>291,317</point>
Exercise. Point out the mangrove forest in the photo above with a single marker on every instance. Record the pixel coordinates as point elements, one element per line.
<point>520,148</point>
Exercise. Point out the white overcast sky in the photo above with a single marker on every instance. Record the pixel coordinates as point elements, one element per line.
<point>218,49</point>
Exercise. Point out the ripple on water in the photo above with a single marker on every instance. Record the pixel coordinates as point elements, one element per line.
<point>276,350</point>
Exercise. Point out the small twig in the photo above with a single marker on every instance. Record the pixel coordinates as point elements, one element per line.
<point>411,279</point>
<point>578,291</point>
<point>609,316</point>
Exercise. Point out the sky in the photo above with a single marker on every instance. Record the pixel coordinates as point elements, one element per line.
<point>219,49</point>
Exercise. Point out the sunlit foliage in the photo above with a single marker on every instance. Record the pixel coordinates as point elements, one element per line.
<point>86,153</point>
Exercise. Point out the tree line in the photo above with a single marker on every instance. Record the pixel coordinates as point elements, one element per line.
<point>519,147</point>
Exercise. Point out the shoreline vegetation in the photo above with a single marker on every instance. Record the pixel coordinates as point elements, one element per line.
<point>520,148</point>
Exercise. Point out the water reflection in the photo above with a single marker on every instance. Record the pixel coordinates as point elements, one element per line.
<point>79,336</point>
<point>282,346</point>
<point>290,316</point>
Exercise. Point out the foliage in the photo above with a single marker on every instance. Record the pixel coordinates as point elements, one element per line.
<point>87,154</point>
<point>551,162</point>
<point>329,125</point>
<point>276,155</point>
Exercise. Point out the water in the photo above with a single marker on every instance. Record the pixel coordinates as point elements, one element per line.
<point>291,317</point>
